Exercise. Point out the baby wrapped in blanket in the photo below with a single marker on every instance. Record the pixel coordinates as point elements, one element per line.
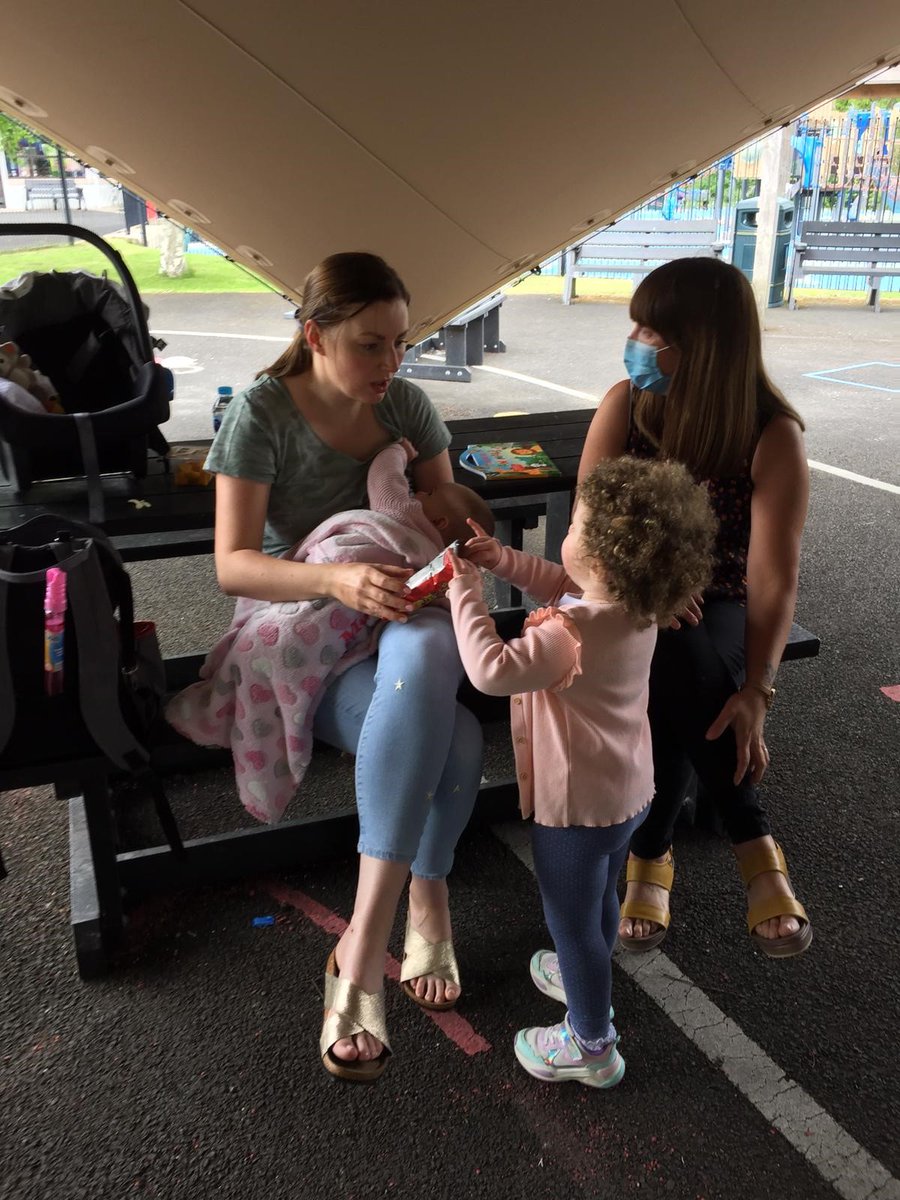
<point>261,683</point>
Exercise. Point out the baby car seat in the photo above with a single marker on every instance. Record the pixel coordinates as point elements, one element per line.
<point>89,335</point>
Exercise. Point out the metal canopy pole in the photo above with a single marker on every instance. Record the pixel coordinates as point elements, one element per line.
<point>65,189</point>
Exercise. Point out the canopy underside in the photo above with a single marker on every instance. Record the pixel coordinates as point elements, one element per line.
<point>463,142</point>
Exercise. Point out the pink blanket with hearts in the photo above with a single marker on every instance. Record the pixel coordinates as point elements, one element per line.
<point>260,685</point>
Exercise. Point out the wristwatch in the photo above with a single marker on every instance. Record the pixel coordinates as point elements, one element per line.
<point>768,692</point>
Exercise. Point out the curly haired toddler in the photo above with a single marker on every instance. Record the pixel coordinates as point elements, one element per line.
<point>639,545</point>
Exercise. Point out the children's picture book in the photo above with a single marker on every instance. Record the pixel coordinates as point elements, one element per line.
<point>505,460</point>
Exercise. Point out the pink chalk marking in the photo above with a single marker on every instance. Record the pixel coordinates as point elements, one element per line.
<point>317,913</point>
<point>451,1024</point>
<point>892,692</point>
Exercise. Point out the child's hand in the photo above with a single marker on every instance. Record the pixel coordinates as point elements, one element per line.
<point>691,614</point>
<point>462,566</point>
<point>409,449</point>
<point>481,549</point>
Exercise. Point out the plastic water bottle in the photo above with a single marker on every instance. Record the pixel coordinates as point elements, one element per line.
<point>223,399</point>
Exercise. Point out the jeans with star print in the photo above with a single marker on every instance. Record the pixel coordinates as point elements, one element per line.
<point>418,751</point>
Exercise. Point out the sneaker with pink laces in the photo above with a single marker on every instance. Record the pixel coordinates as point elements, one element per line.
<point>552,1054</point>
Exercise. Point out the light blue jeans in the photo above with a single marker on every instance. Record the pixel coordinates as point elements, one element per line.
<point>418,752</point>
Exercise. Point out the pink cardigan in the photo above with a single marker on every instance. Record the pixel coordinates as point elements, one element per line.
<point>579,680</point>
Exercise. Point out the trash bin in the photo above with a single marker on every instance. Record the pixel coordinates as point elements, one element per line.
<point>743,246</point>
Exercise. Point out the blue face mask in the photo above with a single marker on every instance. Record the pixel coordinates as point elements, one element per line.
<point>643,368</point>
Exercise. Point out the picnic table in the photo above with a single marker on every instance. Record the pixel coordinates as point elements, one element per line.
<point>154,518</point>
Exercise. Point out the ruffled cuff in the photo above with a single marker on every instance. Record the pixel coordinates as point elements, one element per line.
<point>567,629</point>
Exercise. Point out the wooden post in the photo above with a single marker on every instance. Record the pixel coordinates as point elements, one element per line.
<point>775,169</point>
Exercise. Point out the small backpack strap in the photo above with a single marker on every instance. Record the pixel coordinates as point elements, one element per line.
<point>7,698</point>
<point>98,669</point>
<point>148,777</point>
<point>84,427</point>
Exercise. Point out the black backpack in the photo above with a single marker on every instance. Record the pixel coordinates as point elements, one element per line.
<point>113,676</point>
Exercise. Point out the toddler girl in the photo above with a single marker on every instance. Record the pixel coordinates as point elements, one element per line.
<point>638,547</point>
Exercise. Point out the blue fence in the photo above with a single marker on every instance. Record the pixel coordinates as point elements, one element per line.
<point>846,168</point>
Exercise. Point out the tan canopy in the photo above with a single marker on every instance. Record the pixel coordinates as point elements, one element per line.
<point>464,141</point>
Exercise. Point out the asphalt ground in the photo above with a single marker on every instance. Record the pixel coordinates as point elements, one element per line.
<point>192,1069</point>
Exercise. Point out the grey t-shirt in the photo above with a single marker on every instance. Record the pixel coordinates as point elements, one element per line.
<point>263,437</point>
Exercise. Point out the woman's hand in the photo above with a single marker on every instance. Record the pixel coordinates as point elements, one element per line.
<point>482,550</point>
<point>691,614</point>
<point>376,590</point>
<point>745,712</point>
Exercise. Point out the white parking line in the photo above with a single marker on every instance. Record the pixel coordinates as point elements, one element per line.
<point>238,337</point>
<point>544,383</point>
<point>840,1159</point>
<point>816,466</point>
<point>875,483</point>
<point>553,387</point>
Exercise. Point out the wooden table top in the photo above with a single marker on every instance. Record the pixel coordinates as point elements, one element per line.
<point>146,517</point>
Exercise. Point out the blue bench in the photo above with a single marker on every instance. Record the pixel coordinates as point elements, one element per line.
<point>636,248</point>
<point>864,248</point>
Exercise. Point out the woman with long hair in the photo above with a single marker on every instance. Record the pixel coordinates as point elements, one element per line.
<point>293,449</point>
<point>697,393</point>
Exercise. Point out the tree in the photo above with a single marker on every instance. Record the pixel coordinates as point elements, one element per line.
<point>846,104</point>
<point>11,133</point>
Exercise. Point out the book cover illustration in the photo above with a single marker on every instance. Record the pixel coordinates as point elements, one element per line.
<point>504,460</point>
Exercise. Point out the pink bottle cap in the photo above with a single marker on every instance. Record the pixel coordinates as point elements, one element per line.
<point>55,600</point>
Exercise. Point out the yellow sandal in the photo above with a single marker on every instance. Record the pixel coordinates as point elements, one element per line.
<point>352,1011</point>
<point>641,870</point>
<point>771,858</point>
<point>421,957</point>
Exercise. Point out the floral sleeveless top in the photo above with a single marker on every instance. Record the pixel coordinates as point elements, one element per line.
<point>730,499</point>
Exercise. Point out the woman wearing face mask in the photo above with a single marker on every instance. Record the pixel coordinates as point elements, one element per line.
<point>698,393</point>
<point>293,449</point>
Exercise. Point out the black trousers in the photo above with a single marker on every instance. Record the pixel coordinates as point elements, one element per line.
<point>694,671</point>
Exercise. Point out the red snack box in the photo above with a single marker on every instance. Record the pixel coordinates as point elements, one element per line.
<point>431,582</point>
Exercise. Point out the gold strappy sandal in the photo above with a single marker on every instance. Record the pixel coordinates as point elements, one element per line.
<point>641,870</point>
<point>352,1011</point>
<point>771,858</point>
<point>421,957</point>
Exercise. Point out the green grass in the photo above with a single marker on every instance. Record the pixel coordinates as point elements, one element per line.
<point>204,272</point>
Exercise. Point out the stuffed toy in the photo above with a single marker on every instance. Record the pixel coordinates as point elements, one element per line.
<point>17,369</point>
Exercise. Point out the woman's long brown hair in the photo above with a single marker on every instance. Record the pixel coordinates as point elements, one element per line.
<point>720,396</point>
<point>336,290</point>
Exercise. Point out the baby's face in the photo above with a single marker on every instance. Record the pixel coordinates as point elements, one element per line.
<point>434,505</point>
<point>441,508</point>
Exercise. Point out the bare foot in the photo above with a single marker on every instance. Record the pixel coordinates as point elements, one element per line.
<point>763,887</point>
<point>429,915</point>
<point>645,893</point>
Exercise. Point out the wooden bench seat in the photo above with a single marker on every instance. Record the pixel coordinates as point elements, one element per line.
<point>866,248</point>
<point>636,248</point>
